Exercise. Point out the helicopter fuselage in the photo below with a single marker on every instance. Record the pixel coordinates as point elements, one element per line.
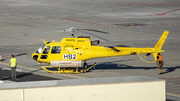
<point>77,50</point>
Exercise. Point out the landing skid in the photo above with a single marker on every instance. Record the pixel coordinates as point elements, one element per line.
<point>51,69</point>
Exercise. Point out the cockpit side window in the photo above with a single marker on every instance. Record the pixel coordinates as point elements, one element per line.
<point>56,49</point>
<point>46,50</point>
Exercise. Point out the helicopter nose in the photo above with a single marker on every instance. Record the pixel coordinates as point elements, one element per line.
<point>35,57</point>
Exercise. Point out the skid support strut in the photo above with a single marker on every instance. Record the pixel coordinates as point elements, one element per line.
<point>51,69</point>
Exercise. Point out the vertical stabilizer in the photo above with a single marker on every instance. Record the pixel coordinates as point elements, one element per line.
<point>160,43</point>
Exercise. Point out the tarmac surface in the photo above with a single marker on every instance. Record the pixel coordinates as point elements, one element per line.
<point>129,23</point>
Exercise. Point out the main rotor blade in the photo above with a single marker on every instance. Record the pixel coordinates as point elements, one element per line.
<point>35,33</point>
<point>113,48</point>
<point>95,31</point>
<point>95,35</point>
<point>46,32</point>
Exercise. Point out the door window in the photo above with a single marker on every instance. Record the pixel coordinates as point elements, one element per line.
<point>56,49</point>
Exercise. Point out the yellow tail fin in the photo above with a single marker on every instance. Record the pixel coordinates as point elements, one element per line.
<point>160,43</point>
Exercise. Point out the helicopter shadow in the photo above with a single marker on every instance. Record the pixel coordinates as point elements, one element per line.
<point>16,55</point>
<point>20,54</point>
<point>112,65</point>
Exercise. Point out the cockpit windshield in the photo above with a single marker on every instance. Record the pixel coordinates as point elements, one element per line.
<point>40,49</point>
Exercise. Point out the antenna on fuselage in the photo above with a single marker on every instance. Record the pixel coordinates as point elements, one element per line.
<point>72,35</point>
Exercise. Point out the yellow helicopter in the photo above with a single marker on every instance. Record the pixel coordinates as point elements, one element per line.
<point>70,54</point>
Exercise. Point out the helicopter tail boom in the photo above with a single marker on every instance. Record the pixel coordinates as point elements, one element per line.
<point>160,43</point>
